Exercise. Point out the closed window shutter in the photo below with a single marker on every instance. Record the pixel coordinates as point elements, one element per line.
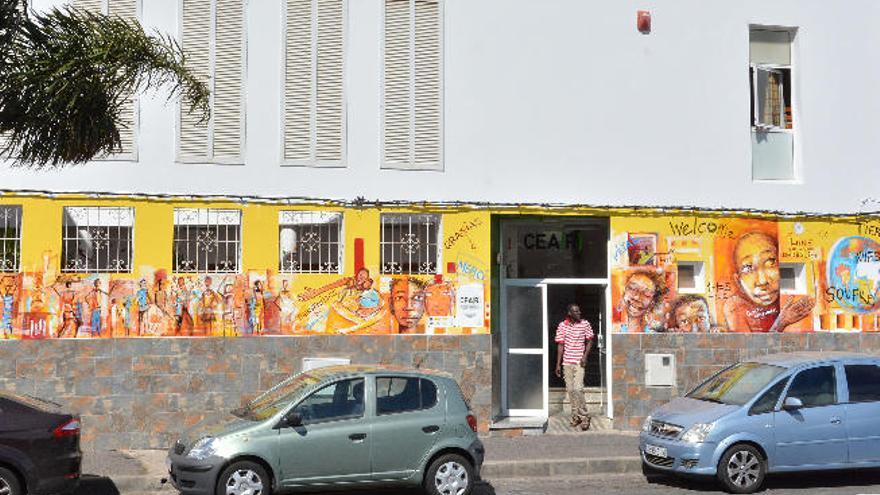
<point>298,81</point>
<point>427,84</point>
<point>398,83</point>
<point>314,107</point>
<point>329,103</point>
<point>228,80</point>
<point>96,6</point>
<point>128,10</point>
<point>193,138</point>
<point>412,100</point>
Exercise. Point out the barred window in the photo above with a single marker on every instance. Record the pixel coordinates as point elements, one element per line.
<point>410,243</point>
<point>10,238</point>
<point>97,239</point>
<point>207,240</point>
<point>310,241</point>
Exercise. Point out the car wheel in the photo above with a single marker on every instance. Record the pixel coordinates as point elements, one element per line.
<point>651,473</point>
<point>9,484</point>
<point>244,478</point>
<point>742,469</point>
<point>449,474</point>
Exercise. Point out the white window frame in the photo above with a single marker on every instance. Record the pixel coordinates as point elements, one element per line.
<point>210,157</point>
<point>15,211</point>
<point>203,219</point>
<point>104,215</point>
<point>384,267</point>
<point>291,219</point>
<point>800,278</point>
<point>312,161</point>
<point>699,277</point>
<point>440,165</point>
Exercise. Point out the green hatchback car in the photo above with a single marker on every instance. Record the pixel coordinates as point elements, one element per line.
<point>336,427</point>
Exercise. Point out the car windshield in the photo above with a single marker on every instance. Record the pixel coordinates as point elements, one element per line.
<point>736,385</point>
<point>276,398</point>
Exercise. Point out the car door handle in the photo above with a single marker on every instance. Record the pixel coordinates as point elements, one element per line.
<point>835,421</point>
<point>358,437</point>
<point>431,429</point>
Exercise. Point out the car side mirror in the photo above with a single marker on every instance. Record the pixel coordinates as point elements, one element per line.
<point>290,420</point>
<point>792,404</point>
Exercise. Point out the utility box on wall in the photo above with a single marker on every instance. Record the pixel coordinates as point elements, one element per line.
<point>311,363</point>
<point>659,370</point>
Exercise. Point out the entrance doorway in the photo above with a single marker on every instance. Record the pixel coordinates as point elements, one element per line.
<point>548,263</point>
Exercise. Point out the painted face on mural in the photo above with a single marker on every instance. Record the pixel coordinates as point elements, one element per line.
<point>757,268</point>
<point>692,316</point>
<point>407,303</point>
<point>638,295</point>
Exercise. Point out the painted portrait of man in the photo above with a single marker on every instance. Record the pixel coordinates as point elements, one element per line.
<point>643,292</point>
<point>689,314</point>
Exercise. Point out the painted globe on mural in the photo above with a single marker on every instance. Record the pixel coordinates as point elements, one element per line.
<point>854,274</point>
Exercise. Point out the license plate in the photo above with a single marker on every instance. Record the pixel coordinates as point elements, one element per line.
<point>655,450</point>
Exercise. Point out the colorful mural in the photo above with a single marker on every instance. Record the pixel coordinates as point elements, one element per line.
<point>723,274</point>
<point>43,302</point>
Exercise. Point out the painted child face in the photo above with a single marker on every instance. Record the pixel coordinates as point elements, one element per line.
<point>638,295</point>
<point>407,304</point>
<point>692,317</point>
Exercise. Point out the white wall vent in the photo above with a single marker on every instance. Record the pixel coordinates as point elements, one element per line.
<point>659,370</point>
<point>311,363</point>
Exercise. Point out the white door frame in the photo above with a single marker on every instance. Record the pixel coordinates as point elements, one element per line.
<point>543,283</point>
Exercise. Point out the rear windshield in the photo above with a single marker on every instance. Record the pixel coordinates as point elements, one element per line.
<point>736,385</point>
<point>12,402</point>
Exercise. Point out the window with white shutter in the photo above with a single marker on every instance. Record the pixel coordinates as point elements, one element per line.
<point>413,85</point>
<point>128,129</point>
<point>314,100</point>
<point>213,38</point>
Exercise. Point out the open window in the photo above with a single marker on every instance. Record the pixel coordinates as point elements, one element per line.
<point>792,278</point>
<point>690,277</point>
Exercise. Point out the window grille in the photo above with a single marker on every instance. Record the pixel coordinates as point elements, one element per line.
<point>207,240</point>
<point>97,239</point>
<point>310,242</point>
<point>10,238</point>
<point>410,244</point>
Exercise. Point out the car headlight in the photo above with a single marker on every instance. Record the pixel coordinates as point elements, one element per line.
<point>697,433</point>
<point>646,426</point>
<point>202,449</point>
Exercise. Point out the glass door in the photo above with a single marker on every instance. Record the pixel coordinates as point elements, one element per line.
<point>524,344</point>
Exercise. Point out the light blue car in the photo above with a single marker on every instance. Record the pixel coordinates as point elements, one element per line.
<point>777,413</point>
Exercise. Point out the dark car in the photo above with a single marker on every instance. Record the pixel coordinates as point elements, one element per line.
<point>39,447</point>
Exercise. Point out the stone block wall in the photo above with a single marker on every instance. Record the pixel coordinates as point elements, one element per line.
<point>140,393</point>
<point>699,356</point>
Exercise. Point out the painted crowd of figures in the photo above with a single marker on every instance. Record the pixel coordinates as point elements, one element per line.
<point>218,305</point>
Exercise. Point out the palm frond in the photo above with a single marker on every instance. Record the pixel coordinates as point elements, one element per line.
<point>66,74</point>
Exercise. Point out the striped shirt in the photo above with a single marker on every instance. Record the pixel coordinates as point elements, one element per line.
<point>573,337</point>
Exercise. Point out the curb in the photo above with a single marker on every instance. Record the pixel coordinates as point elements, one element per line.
<point>547,468</point>
<point>141,484</point>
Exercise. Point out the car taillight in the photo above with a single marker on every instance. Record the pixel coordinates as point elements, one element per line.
<point>472,422</point>
<point>67,429</point>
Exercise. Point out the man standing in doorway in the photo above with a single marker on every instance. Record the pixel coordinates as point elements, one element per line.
<point>574,338</point>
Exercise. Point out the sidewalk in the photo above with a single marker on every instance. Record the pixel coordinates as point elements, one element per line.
<point>568,454</point>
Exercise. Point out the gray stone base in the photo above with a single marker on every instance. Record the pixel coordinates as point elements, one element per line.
<point>140,393</point>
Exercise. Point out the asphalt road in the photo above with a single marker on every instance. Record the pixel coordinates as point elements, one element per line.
<point>846,483</point>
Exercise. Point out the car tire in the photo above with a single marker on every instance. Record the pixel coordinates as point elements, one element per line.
<point>9,483</point>
<point>742,469</point>
<point>248,478</point>
<point>651,473</point>
<point>449,474</point>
